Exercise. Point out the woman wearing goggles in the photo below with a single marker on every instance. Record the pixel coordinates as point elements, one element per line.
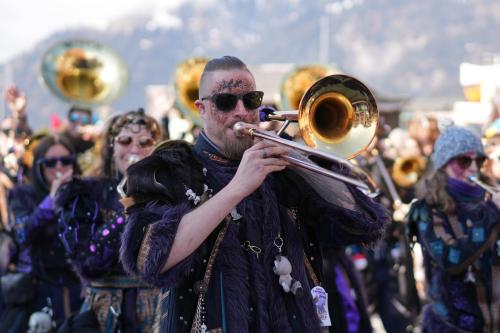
<point>92,223</point>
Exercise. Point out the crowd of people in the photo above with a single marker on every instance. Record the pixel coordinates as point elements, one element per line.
<point>129,231</point>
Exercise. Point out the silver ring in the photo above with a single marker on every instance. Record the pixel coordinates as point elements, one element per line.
<point>264,153</point>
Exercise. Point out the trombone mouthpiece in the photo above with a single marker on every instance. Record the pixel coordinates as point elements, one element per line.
<point>241,128</point>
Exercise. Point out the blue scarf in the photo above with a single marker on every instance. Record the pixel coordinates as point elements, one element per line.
<point>464,192</point>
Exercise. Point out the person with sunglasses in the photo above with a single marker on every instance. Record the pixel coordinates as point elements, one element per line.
<point>458,227</point>
<point>236,240</point>
<point>44,276</point>
<point>91,223</point>
<point>79,122</point>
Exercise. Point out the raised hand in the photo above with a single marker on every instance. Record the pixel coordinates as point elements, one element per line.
<point>62,178</point>
<point>16,100</point>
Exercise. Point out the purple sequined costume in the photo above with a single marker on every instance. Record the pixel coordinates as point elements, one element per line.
<point>91,222</point>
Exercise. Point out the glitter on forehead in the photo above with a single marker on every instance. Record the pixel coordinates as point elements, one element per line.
<point>229,83</point>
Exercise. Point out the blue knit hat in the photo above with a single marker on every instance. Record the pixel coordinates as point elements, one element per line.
<point>452,142</point>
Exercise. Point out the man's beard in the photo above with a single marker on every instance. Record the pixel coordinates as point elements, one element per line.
<point>234,148</point>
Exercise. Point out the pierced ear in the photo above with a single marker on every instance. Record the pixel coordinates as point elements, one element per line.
<point>200,106</point>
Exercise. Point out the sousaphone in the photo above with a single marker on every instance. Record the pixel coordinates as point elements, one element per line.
<point>84,73</point>
<point>186,85</point>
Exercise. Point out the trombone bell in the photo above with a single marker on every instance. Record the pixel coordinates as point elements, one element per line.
<point>338,115</point>
<point>331,117</point>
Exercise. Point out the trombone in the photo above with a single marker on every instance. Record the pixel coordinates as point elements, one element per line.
<point>337,118</point>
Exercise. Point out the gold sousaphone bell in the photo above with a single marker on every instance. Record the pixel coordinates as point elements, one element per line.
<point>296,82</point>
<point>187,84</point>
<point>337,118</point>
<point>407,171</point>
<point>84,72</point>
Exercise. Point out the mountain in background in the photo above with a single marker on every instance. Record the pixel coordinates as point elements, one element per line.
<point>400,48</point>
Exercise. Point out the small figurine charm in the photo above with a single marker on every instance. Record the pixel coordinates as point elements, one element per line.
<point>283,268</point>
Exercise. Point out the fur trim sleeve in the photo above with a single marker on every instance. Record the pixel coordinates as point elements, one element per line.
<point>147,241</point>
<point>364,224</point>
<point>340,214</point>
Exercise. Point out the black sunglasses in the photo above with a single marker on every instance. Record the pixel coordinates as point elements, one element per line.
<point>127,140</point>
<point>465,162</point>
<point>51,162</point>
<point>226,102</point>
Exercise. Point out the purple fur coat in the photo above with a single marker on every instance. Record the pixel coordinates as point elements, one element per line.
<point>244,294</point>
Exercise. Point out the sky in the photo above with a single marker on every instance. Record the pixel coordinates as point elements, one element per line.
<point>25,22</point>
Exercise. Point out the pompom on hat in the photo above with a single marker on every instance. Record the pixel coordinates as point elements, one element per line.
<point>455,141</point>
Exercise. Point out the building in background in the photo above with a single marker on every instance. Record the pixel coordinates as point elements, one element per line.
<point>481,86</point>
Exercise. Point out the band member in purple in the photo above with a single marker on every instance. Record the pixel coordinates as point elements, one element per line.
<point>458,225</point>
<point>41,254</point>
<point>237,240</point>
<point>92,221</point>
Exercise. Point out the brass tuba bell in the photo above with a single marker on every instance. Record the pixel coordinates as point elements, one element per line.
<point>296,82</point>
<point>84,73</point>
<point>406,171</point>
<point>187,85</point>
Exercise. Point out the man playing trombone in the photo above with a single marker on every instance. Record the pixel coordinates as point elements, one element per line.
<point>238,241</point>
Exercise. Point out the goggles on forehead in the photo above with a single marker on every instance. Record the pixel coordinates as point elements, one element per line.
<point>135,118</point>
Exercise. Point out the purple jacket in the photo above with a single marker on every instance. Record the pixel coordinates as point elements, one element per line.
<point>91,220</point>
<point>35,230</point>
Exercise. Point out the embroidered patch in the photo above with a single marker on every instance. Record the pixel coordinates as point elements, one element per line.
<point>434,286</point>
<point>478,235</point>
<point>454,255</point>
<point>440,309</point>
<point>320,300</point>
<point>415,214</point>
<point>20,220</point>
<point>424,214</point>
<point>437,248</point>
<point>422,226</point>
<point>21,235</point>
